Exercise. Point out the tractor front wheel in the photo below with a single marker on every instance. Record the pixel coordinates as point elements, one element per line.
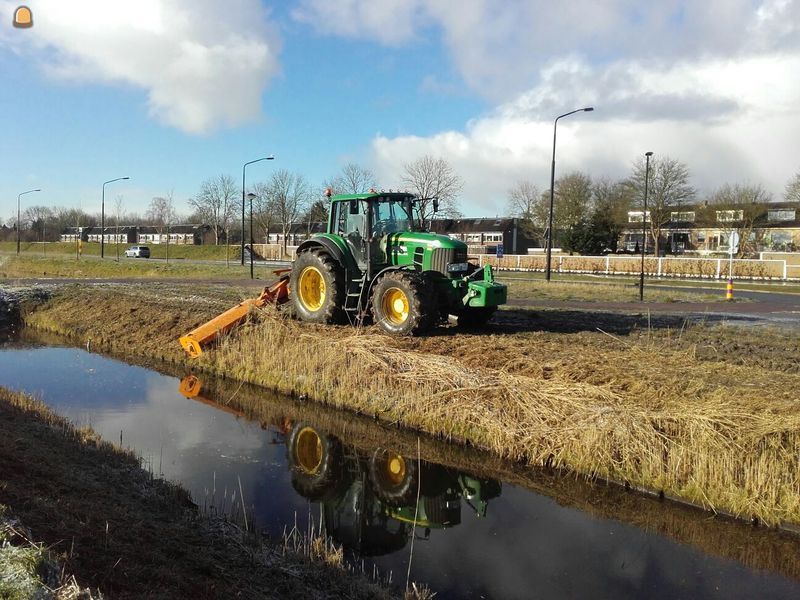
<point>403,304</point>
<point>394,478</point>
<point>316,287</point>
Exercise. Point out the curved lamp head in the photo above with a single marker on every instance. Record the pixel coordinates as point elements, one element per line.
<point>251,196</point>
<point>648,154</point>
<point>588,109</point>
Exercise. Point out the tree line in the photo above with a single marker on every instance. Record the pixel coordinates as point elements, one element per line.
<point>287,198</point>
<point>589,215</point>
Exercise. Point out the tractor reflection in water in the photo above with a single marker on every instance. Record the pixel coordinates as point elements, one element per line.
<point>371,501</point>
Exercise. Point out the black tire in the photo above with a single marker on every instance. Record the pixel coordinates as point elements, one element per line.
<point>397,487</point>
<point>329,309</point>
<point>315,461</point>
<point>475,318</point>
<point>418,299</point>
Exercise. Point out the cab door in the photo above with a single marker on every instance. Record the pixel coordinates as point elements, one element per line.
<point>351,223</point>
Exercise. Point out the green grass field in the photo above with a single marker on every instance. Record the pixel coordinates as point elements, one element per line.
<point>61,266</point>
<point>207,252</point>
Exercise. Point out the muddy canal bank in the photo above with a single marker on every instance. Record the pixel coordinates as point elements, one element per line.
<point>698,412</point>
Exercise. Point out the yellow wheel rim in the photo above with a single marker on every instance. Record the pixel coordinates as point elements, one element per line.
<point>395,305</point>
<point>311,288</point>
<point>392,469</point>
<point>308,450</point>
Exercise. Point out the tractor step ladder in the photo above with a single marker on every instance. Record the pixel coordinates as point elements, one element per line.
<point>352,301</point>
<point>207,333</point>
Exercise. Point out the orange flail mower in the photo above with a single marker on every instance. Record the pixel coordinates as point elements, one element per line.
<point>205,335</point>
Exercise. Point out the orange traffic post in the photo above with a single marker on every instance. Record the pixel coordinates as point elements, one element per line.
<point>729,293</point>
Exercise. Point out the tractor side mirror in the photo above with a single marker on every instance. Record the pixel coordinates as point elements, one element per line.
<point>353,207</point>
<point>435,205</point>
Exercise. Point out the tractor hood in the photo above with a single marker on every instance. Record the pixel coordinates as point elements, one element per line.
<point>426,240</point>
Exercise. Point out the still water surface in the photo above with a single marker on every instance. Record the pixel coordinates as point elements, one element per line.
<point>476,536</point>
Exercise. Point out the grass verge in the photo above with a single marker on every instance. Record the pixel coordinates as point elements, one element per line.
<point>177,251</point>
<point>701,412</point>
<point>122,533</point>
<point>67,267</point>
<point>606,291</point>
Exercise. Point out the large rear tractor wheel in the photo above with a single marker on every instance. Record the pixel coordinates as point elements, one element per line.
<point>316,288</point>
<point>314,458</point>
<point>403,304</point>
<point>394,478</point>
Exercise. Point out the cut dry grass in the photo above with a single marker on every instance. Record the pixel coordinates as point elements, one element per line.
<point>649,407</point>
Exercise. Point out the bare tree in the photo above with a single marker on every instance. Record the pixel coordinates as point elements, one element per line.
<point>289,193</point>
<point>119,212</point>
<point>792,193</point>
<point>263,208</point>
<point>523,201</point>
<point>35,219</point>
<point>430,178</point>
<point>737,209</point>
<point>353,179</point>
<point>215,204</point>
<point>161,213</point>
<point>668,189</point>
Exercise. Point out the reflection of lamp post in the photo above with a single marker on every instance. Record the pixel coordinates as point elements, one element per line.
<point>644,223</point>
<point>103,215</point>
<point>552,186</point>
<point>270,157</point>
<point>18,198</point>
<point>250,197</point>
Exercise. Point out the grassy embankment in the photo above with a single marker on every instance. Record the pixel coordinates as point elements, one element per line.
<point>27,266</point>
<point>704,413</point>
<point>176,251</point>
<point>117,530</point>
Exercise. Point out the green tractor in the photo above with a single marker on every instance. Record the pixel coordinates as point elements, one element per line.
<point>372,262</point>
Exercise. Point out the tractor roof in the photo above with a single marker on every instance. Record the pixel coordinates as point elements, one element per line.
<point>373,196</point>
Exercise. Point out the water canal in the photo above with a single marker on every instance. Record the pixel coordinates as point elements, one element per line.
<point>482,528</point>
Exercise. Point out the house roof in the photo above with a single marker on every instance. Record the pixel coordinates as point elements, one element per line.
<point>479,225</point>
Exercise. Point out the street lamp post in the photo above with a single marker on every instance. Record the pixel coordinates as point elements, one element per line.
<point>644,223</point>
<point>250,198</point>
<point>103,215</point>
<point>244,167</point>
<point>18,201</point>
<point>552,186</point>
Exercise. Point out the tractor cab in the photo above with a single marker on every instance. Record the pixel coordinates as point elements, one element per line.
<point>365,222</point>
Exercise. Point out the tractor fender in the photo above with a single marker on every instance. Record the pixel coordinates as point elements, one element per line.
<point>344,259</point>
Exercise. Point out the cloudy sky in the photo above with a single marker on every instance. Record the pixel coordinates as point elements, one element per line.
<point>171,92</point>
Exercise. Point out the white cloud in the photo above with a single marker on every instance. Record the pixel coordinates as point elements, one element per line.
<point>710,83</point>
<point>203,65</point>
<point>500,47</point>
<point>730,120</point>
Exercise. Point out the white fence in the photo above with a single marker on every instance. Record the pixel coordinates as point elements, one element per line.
<point>665,266</point>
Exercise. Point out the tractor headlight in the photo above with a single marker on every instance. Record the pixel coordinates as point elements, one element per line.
<point>457,267</point>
